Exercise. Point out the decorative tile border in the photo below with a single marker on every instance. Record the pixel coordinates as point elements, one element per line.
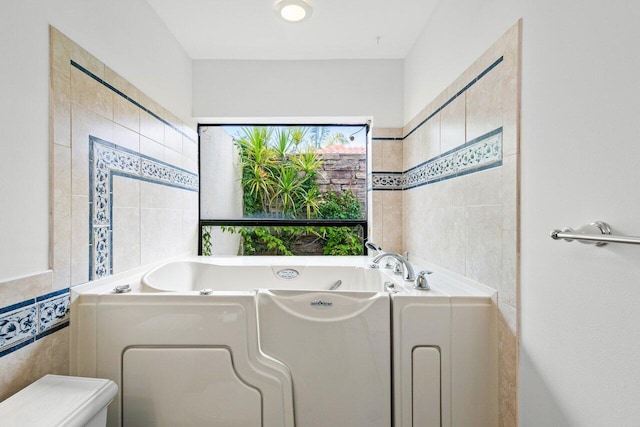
<point>387,180</point>
<point>106,160</point>
<point>28,321</point>
<point>128,98</point>
<point>479,154</point>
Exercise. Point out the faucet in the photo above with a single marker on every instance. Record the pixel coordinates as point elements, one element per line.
<point>372,246</point>
<point>409,275</point>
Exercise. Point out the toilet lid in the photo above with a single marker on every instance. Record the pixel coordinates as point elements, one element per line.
<point>56,400</point>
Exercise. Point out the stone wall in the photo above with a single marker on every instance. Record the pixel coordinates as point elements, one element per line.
<point>344,171</point>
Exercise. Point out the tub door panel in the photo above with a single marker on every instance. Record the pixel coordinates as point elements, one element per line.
<point>164,386</point>
<point>337,347</point>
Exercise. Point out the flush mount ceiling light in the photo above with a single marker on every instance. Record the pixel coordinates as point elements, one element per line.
<point>293,10</point>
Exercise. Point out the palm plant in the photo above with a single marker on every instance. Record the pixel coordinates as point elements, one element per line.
<point>283,143</point>
<point>288,188</point>
<point>311,201</point>
<point>257,161</point>
<point>337,138</point>
<point>308,162</point>
<point>318,134</point>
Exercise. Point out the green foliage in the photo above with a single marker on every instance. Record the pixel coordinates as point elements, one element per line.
<point>341,241</point>
<point>278,174</point>
<point>206,241</point>
<point>270,240</point>
<point>340,206</point>
<point>279,168</point>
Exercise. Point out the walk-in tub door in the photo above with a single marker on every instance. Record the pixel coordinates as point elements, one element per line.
<point>337,346</point>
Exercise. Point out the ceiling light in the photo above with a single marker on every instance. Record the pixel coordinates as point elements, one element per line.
<point>293,10</point>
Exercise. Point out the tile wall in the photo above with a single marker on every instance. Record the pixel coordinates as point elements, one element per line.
<point>123,194</point>
<point>445,188</point>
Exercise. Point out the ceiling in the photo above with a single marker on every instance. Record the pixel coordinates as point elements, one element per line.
<point>338,29</point>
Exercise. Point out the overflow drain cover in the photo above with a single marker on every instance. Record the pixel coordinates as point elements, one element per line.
<point>287,273</point>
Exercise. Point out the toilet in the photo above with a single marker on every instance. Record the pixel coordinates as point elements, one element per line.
<point>56,400</point>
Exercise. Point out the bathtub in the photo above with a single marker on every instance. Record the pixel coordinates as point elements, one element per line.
<point>288,341</point>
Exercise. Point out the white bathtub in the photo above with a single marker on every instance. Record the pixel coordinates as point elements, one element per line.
<point>227,274</point>
<point>271,345</point>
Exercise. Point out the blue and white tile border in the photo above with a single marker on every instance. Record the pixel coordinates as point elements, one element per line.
<point>106,160</point>
<point>482,153</point>
<point>479,154</point>
<point>28,321</point>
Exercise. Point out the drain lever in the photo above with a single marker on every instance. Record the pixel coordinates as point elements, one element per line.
<point>336,285</point>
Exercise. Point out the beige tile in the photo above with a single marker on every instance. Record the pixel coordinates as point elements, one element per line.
<point>377,226</point>
<point>126,192</point>
<point>173,157</point>
<point>409,150</point>
<point>484,245</point>
<point>452,125</point>
<point>190,131</point>
<point>157,196</point>
<point>392,221</point>
<point>49,355</point>
<point>125,113</point>
<point>120,83</point>
<point>511,94</point>
<point>189,200</point>
<point>60,52</point>
<point>83,124</point>
<point>510,189</point>
<point>91,94</point>
<point>190,165</point>
<point>508,290</point>
<point>190,232</point>
<point>409,220</point>
<point>484,104</point>
<point>484,187</point>
<point>158,240</point>
<point>126,138</point>
<point>86,60</point>
<point>425,143</point>
<point>61,108</point>
<point>189,149</point>
<point>61,185</point>
<point>79,240</point>
<point>391,156</point>
<point>377,156</point>
<point>451,243</point>
<point>449,193</point>
<point>20,289</point>
<point>61,219</point>
<point>507,365</point>
<point>126,239</point>
<point>378,132</point>
<point>151,148</point>
<point>151,127</point>
<point>172,139</point>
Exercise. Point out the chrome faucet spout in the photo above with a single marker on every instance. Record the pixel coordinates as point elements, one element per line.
<point>372,246</point>
<point>409,274</point>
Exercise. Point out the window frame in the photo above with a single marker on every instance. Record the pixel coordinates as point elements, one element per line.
<point>280,222</point>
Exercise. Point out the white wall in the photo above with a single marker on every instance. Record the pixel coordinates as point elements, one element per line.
<point>579,361</point>
<point>299,88</point>
<point>456,35</point>
<point>125,34</point>
<point>580,145</point>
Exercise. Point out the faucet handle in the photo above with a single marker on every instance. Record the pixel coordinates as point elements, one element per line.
<point>397,268</point>
<point>421,281</point>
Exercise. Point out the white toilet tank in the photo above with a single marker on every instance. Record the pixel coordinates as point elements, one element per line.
<point>56,400</point>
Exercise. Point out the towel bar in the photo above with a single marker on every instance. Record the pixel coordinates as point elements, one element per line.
<point>597,233</point>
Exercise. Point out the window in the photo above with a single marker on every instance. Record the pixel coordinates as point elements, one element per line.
<point>283,189</point>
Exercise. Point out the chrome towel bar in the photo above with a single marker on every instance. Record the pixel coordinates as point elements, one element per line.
<point>597,233</point>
